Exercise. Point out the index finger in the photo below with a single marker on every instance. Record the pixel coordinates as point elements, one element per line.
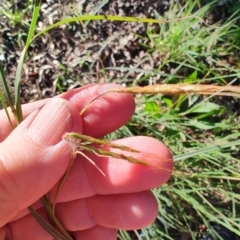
<point>103,116</point>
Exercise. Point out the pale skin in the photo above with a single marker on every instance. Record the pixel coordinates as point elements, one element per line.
<point>33,157</point>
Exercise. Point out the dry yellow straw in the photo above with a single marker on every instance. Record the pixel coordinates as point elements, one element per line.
<point>175,89</point>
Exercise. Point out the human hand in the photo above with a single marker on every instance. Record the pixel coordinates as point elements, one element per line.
<point>33,157</point>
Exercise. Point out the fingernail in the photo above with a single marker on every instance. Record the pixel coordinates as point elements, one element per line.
<point>52,121</point>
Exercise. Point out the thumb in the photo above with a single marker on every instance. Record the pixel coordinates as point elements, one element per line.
<point>34,156</point>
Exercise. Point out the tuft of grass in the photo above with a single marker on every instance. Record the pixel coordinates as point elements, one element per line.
<point>202,132</point>
<point>187,50</point>
<point>205,185</point>
<point>15,16</point>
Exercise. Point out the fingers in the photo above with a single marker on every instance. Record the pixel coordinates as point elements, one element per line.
<point>19,150</point>
<point>28,228</point>
<point>29,163</point>
<point>34,156</point>
<point>104,115</point>
<point>6,128</point>
<point>75,215</point>
<point>97,233</point>
<point>107,113</point>
<point>123,177</point>
<point>120,176</point>
<point>96,216</point>
<point>119,211</point>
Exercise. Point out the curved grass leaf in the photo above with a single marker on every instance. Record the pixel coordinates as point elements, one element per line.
<point>109,18</point>
<point>21,60</point>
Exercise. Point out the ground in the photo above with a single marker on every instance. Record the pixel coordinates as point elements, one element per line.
<point>80,54</point>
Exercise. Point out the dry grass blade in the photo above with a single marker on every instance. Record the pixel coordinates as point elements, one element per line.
<point>6,96</point>
<point>175,89</point>
<point>61,183</point>
<point>5,109</point>
<point>48,227</point>
<point>63,233</point>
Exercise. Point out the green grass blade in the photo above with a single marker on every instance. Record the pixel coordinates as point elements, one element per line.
<point>108,18</point>
<point>21,60</point>
<point>50,229</point>
<point>206,150</point>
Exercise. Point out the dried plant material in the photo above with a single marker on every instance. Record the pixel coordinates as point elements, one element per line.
<point>175,89</point>
<point>63,233</point>
<point>48,227</point>
<point>61,183</point>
